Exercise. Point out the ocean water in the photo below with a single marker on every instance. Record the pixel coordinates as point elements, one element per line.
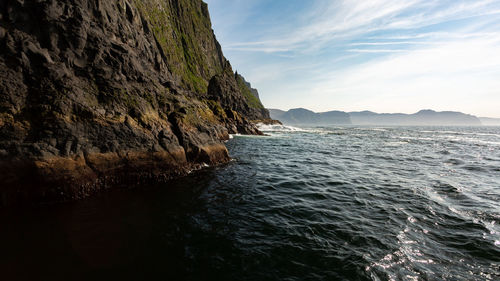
<point>336,203</point>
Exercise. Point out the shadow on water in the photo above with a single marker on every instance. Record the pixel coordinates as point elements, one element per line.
<point>121,234</point>
<point>293,206</point>
<point>187,230</point>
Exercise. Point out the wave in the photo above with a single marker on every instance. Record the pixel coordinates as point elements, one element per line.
<point>396,143</point>
<point>280,128</point>
<point>461,133</point>
<point>232,136</point>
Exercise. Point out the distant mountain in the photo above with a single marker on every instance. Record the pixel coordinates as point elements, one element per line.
<point>302,116</point>
<point>490,121</point>
<point>277,113</point>
<point>423,117</point>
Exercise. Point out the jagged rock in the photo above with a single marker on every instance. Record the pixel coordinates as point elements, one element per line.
<point>96,93</point>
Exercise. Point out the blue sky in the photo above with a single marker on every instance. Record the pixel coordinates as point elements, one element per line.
<point>379,55</point>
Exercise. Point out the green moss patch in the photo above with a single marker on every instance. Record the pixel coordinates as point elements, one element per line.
<point>252,100</point>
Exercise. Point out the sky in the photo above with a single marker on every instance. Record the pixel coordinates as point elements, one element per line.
<point>354,55</point>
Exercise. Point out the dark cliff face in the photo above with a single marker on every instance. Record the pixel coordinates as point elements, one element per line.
<point>228,89</point>
<point>94,93</point>
<point>253,91</point>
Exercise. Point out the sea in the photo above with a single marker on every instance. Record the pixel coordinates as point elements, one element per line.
<point>324,203</point>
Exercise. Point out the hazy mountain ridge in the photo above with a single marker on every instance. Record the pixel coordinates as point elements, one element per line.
<point>487,121</point>
<point>423,117</point>
<point>302,116</point>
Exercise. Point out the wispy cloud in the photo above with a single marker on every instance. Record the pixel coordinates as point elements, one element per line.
<point>264,49</point>
<point>383,55</point>
<point>454,76</point>
<point>375,51</point>
<point>334,20</point>
<point>391,43</point>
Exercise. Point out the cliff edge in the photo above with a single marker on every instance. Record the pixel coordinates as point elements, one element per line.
<point>95,94</point>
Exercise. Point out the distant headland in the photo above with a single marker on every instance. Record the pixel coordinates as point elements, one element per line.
<point>302,116</point>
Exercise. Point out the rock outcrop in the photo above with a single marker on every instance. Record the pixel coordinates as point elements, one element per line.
<point>95,94</point>
<point>225,89</point>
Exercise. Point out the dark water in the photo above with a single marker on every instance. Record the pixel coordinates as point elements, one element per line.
<point>325,204</point>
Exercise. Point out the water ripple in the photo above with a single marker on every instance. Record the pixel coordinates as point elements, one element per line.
<point>343,203</point>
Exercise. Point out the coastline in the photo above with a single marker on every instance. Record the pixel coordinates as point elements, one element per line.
<point>59,179</point>
<point>143,93</point>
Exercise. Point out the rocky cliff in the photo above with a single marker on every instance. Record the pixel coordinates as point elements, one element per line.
<point>95,94</point>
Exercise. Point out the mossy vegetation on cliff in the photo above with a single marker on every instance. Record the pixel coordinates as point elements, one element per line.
<point>125,91</point>
<point>252,100</point>
<point>184,32</point>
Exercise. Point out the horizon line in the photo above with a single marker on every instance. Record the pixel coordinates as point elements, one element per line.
<point>357,111</point>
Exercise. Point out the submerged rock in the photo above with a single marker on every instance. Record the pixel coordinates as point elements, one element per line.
<point>94,94</point>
